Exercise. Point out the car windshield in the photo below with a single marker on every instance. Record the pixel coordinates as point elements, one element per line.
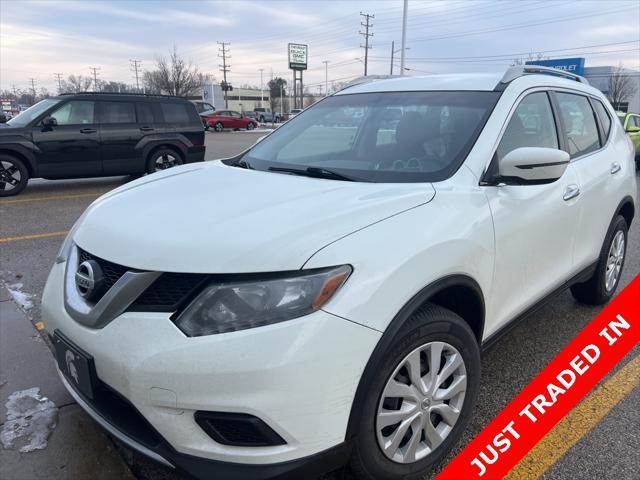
<point>33,112</point>
<point>379,137</point>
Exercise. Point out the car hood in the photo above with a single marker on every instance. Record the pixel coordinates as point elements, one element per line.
<point>213,218</point>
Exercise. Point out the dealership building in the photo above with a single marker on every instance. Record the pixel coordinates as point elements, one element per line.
<point>239,99</point>
<point>598,77</point>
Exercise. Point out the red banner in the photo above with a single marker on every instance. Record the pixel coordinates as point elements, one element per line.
<point>553,393</point>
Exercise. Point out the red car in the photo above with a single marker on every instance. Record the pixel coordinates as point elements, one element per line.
<point>222,119</point>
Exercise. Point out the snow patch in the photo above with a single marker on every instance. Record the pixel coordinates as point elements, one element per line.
<point>30,420</point>
<point>23,299</point>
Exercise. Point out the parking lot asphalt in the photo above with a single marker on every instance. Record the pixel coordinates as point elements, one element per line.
<point>33,225</point>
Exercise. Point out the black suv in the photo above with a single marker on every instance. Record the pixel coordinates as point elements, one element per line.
<point>98,134</point>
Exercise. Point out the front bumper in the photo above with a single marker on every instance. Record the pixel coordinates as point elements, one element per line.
<point>197,467</point>
<point>299,377</point>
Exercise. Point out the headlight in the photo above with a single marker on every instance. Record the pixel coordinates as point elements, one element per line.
<point>63,254</point>
<point>229,306</point>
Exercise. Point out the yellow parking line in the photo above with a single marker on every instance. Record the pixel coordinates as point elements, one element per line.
<point>50,197</point>
<point>578,422</point>
<point>33,237</point>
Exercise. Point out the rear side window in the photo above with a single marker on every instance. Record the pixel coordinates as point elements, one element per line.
<point>118,112</point>
<point>605,119</point>
<point>145,113</point>
<point>75,112</point>
<point>579,124</point>
<point>177,112</point>
<point>532,125</point>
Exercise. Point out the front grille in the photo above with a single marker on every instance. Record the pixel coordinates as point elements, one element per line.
<point>166,294</point>
<point>111,271</point>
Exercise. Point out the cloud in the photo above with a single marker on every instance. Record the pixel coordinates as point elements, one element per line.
<point>153,15</point>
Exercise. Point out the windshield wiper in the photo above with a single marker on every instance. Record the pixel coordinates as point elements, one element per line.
<point>242,164</point>
<point>314,172</point>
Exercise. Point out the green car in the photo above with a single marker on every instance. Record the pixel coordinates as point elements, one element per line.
<point>631,124</point>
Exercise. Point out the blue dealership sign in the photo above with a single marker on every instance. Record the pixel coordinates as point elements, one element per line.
<point>572,65</point>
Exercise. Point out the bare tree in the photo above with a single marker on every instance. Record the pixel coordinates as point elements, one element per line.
<point>76,83</point>
<point>622,86</point>
<point>277,88</point>
<point>174,76</point>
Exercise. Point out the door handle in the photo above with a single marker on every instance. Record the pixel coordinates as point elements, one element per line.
<point>572,191</point>
<point>615,168</point>
<point>88,130</point>
<point>146,129</point>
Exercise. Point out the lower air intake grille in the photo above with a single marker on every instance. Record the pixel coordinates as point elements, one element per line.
<point>237,429</point>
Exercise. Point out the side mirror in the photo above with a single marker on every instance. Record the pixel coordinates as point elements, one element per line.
<point>49,122</point>
<point>533,165</point>
<point>633,129</point>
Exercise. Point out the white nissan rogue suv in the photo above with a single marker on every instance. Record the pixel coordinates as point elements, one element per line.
<point>324,296</point>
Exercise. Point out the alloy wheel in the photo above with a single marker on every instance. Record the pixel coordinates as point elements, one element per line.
<point>166,160</point>
<point>421,402</point>
<point>10,176</point>
<point>615,260</point>
<point>218,127</point>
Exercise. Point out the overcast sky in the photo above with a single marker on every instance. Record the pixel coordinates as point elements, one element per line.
<point>38,39</point>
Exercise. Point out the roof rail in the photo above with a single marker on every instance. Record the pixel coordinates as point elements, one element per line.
<point>117,93</point>
<point>366,79</point>
<point>519,71</point>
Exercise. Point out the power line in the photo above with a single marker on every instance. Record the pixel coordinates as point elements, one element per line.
<point>94,70</point>
<point>367,25</point>
<point>521,25</point>
<point>135,64</point>
<point>224,68</point>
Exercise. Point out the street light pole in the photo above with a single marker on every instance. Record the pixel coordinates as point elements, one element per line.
<point>404,35</point>
<point>326,77</point>
<point>261,89</point>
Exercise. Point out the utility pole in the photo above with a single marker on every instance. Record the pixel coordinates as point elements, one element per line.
<point>59,80</point>
<point>393,46</point>
<point>224,68</point>
<point>33,88</point>
<point>326,77</point>
<point>280,101</point>
<point>135,64</point>
<point>94,70</point>
<point>261,89</point>
<point>366,36</point>
<point>404,35</point>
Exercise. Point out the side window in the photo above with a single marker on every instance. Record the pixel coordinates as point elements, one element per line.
<point>118,112</point>
<point>175,113</point>
<point>579,124</point>
<point>145,113</point>
<point>75,112</point>
<point>634,121</point>
<point>605,119</point>
<point>235,114</point>
<point>532,125</point>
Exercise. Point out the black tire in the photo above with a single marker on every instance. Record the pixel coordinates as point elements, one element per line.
<point>218,127</point>
<point>162,159</point>
<point>430,324</point>
<point>594,290</point>
<point>14,175</point>
<point>250,126</point>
